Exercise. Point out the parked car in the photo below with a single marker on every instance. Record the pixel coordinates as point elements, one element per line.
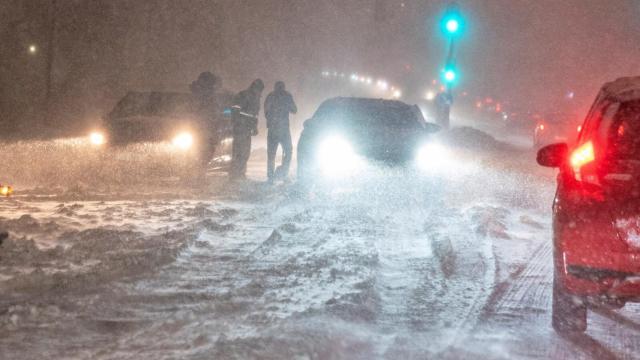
<point>596,211</point>
<point>171,118</point>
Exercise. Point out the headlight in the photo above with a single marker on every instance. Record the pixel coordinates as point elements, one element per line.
<point>432,157</point>
<point>183,141</point>
<point>6,190</point>
<point>97,138</point>
<point>336,157</point>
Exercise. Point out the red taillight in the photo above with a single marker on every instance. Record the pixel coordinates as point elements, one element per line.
<point>541,126</point>
<point>579,128</point>
<point>582,155</point>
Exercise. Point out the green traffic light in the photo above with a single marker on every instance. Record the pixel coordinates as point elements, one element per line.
<point>452,22</point>
<point>452,26</point>
<point>449,75</point>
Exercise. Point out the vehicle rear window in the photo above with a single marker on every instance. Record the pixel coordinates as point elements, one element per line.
<point>624,132</point>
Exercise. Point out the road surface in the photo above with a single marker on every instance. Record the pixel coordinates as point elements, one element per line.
<point>451,264</point>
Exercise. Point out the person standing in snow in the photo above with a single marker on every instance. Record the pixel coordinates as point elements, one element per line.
<point>277,107</point>
<point>246,106</point>
<point>443,103</point>
<point>207,107</point>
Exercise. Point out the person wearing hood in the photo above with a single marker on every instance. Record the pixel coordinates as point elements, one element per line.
<point>207,107</point>
<point>277,107</point>
<point>246,107</point>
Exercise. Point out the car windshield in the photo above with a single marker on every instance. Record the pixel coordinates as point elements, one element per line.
<point>369,113</point>
<point>152,104</point>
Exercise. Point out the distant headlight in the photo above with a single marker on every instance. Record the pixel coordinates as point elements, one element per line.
<point>183,141</point>
<point>337,158</point>
<point>97,138</point>
<point>6,190</point>
<point>433,157</point>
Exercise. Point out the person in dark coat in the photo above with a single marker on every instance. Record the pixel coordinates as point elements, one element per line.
<point>246,106</point>
<point>277,107</point>
<point>209,112</point>
<point>443,103</point>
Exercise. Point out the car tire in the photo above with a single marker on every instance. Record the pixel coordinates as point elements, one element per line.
<point>568,312</point>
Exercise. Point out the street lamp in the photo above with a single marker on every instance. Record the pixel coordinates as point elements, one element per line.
<point>33,49</point>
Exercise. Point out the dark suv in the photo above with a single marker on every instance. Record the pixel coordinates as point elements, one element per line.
<point>596,211</point>
<point>345,133</point>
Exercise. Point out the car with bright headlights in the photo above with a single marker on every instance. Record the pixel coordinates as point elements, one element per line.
<point>596,210</point>
<point>347,133</point>
<point>165,117</point>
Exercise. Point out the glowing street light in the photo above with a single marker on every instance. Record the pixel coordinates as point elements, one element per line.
<point>33,49</point>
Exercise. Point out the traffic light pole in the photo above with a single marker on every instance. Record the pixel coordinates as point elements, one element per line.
<point>444,100</point>
<point>452,24</point>
<point>450,63</point>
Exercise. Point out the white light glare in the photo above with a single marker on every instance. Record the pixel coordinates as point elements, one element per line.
<point>449,75</point>
<point>433,157</point>
<point>96,138</point>
<point>383,84</point>
<point>337,158</point>
<point>452,25</point>
<point>430,95</point>
<point>183,141</point>
<point>397,93</point>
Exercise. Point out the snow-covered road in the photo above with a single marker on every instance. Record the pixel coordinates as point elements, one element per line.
<point>456,264</point>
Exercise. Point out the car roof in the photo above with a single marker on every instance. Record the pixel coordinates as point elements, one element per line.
<point>152,103</point>
<point>377,111</point>
<point>621,90</point>
<point>364,102</point>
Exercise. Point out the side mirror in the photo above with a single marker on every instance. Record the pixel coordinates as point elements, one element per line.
<point>553,155</point>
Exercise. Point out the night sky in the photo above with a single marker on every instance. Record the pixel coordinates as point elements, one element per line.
<point>529,53</point>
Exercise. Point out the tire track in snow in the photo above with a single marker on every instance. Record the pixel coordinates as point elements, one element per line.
<point>517,322</point>
<point>455,285</point>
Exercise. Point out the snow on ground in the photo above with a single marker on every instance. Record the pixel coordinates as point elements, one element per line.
<point>451,264</point>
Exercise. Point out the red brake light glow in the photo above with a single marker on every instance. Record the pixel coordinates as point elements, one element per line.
<point>582,155</point>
